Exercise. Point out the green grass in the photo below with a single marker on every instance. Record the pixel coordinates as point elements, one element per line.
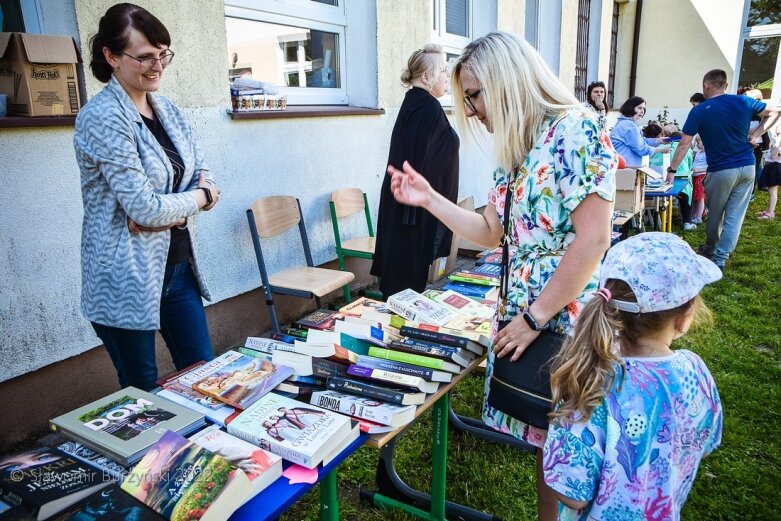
<point>739,481</point>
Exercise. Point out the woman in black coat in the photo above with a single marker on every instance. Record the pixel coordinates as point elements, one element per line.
<point>410,238</point>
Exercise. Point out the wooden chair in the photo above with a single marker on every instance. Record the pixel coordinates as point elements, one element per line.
<point>271,216</point>
<point>344,203</point>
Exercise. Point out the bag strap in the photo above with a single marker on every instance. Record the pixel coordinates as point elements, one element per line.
<point>505,279</point>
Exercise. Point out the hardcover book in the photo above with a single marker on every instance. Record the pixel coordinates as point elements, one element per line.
<point>414,306</point>
<point>261,467</point>
<point>45,480</point>
<point>368,408</point>
<point>378,392</point>
<point>357,307</point>
<point>124,424</point>
<point>410,358</point>
<point>297,432</point>
<point>109,504</point>
<point>109,468</point>
<point>182,481</point>
<point>323,319</point>
<point>392,377</point>
<point>243,380</point>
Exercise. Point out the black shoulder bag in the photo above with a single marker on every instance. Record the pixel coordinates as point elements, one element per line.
<point>521,389</point>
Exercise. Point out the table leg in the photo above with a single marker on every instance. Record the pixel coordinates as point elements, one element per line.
<point>394,493</point>
<point>329,500</point>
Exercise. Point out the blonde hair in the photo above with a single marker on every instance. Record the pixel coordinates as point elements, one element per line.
<point>519,92</point>
<point>590,360</point>
<point>428,59</point>
<point>754,93</point>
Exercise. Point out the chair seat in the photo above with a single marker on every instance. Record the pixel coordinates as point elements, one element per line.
<point>362,244</point>
<point>319,281</point>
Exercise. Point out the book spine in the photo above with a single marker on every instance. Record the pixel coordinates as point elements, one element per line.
<point>473,280</point>
<point>470,290</point>
<point>396,367</point>
<point>256,354</point>
<point>281,337</point>
<point>407,358</point>
<point>426,350</point>
<point>433,336</point>
<point>271,445</point>
<point>401,310</point>
<point>325,368</point>
<point>349,386</point>
<point>352,407</point>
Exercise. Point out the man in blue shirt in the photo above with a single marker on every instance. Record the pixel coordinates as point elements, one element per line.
<point>722,121</point>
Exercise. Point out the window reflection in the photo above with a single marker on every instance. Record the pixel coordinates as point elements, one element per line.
<point>282,54</point>
<point>764,12</point>
<point>758,64</point>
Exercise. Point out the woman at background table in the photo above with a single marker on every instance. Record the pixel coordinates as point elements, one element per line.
<point>409,238</point>
<point>596,100</point>
<point>627,138</point>
<point>143,182</point>
<point>560,172</point>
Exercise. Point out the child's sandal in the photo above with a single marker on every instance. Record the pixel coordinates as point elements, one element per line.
<point>767,215</point>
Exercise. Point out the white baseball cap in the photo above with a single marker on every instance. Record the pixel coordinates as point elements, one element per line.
<point>661,269</point>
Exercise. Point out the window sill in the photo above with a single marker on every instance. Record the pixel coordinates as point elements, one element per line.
<point>21,121</point>
<point>307,111</point>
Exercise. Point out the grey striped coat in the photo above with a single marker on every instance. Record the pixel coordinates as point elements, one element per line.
<point>126,173</point>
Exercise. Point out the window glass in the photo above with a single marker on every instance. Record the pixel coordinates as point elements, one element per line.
<point>327,2</point>
<point>758,64</point>
<point>11,19</point>
<point>457,17</point>
<point>764,12</point>
<point>284,55</point>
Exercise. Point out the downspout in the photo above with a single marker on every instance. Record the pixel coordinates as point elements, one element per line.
<point>635,45</point>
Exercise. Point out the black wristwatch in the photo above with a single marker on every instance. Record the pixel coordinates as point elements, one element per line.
<point>532,322</point>
<point>671,170</point>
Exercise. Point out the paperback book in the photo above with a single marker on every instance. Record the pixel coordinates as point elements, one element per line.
<point>368,408</point>
<point>183,481</point>
<point>464,305</point>
<point>412,305</point>
<point>357,307</point>
<point>392,377</point>
<point>242,380</point>
<point>124,424</point>
<point>410,358</point>
<point>109,468</point>
<point>473,290</point>
<point>45,480</point>
<point>109,504</point>
<point>442,338</point>
<point>426,373</point>
<point>221,415</point>
<point>261,467</point>
<point>323,319</point>
<point>457,355</point>
<point>297,432</point>
<point>395,396</point>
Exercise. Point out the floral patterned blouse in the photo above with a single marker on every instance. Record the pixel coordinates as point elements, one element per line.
<point>571,159</point>
<point>636,456</point>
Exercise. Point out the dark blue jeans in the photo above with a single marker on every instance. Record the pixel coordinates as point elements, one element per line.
<point>182,324</point>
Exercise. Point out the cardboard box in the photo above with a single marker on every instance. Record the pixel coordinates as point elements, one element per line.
<point>39,75</point>
<point>630,188</point>
<point>444,265</point>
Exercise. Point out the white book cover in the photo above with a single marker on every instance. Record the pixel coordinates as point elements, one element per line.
<point>202,371</point>
<point>412,305</point>
<point>297,432</point>
<point>261,467</point>
<point>362,407</point>
<point>464,305</point>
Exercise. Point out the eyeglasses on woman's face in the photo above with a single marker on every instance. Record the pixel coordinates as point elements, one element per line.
<point>149,63</point>
<point>468,100</point>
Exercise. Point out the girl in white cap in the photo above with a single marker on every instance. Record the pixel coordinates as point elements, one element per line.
<point>633,418</point>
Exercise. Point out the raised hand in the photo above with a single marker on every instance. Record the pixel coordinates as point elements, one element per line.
<point>408,186</point>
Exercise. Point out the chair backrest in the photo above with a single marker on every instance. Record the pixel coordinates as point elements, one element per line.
<point>275,214</point>
<point>348,201</point>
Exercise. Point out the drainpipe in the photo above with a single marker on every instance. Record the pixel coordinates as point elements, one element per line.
<point>635,45</point>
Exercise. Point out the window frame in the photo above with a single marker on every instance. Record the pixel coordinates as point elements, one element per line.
<point>450,43</point>
<point>757,31</point>
<point>307,15</point>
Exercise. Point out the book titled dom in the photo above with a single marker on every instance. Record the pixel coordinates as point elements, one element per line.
<point>123,425</point>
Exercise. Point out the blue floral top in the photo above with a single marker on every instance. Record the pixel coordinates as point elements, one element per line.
<point>571,159</point>
<point>637,455</point>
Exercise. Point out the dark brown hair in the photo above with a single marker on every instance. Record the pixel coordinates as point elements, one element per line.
<point>716,77</point>
<point>114,33</point>
<point>629,106</point>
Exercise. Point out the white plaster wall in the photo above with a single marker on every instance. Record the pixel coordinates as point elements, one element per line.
<point>40,224</point>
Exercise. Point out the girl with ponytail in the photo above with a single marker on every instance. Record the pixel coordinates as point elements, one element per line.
<point>633,418</point>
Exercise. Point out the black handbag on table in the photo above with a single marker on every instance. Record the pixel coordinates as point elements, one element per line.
<point>521,389</point>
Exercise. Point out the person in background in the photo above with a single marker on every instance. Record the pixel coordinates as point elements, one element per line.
<point>409,238</point>
<point>657,162</point>
<point>633,418</point>
<point>760,144</point>
<point>699,173</point>
<point>722,121</point>
<point>696,99</point>
<point>558,171</point>
<point>627,138</point>
<point>596,100</point>
<point>143,182</point>
<point>771,175</point>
